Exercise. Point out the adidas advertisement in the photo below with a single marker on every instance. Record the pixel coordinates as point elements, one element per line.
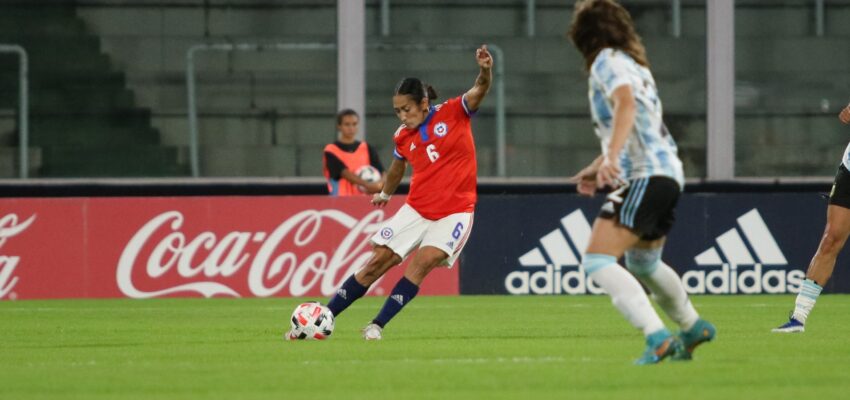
<point>720,244</point>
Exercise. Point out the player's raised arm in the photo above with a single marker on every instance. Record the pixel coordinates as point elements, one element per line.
<point>475,95</point>
<point>393,178</point>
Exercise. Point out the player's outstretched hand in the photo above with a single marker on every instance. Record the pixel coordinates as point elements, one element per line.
<point>845,115</point>
<point>586,187</point>
<point>380,201</point>
<point>609,173</point>
<point>483,57</point>
<point>585,181</point>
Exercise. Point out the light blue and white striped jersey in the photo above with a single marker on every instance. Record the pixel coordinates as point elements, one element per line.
<point>846,159</point>
<point>649,149</point>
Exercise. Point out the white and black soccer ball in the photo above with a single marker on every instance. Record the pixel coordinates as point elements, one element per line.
<point>369,174</point>
<point>311,321</point>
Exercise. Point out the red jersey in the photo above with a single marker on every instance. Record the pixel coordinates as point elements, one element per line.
<point>442,154</point>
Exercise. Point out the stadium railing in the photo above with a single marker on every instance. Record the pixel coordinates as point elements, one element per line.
<point>23,106</point>
<point>499,82</point>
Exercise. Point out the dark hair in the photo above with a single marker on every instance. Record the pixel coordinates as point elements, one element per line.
<point>598,24</point>
<point>344,113</point>
<point>416,89</point>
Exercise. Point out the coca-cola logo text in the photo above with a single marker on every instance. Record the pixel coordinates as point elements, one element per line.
<point>9,227</point>
<point>294,257</point>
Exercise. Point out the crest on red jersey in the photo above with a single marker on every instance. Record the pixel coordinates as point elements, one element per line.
<point>441,129</point>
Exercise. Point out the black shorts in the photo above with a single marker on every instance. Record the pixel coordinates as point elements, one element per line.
<point>840,193</point>
<point>646,206</point>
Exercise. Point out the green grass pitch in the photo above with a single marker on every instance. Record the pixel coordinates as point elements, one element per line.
<point>470,347</point>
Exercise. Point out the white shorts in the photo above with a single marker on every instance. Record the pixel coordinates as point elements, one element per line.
<point>407,230</point>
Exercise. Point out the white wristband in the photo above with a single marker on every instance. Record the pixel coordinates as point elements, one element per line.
<point>383,196</point>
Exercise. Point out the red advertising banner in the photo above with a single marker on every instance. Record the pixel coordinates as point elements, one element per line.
<point>148,247</point>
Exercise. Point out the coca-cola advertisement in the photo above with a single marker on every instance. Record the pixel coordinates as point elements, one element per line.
<point>146,247</point>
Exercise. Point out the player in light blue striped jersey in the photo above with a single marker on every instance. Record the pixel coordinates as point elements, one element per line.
<point>649,150</point>
<point>834,236</point>
<point>640,162</point>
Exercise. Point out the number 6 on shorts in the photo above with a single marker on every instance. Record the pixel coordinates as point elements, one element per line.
<point>457,231</point>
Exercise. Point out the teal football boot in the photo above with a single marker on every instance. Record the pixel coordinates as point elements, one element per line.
<point>702,331</point>
<point>659,346</point>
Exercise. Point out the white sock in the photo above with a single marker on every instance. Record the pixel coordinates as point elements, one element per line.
<point>670,294</point>
<point>628,297</point>
<point>809,292</point>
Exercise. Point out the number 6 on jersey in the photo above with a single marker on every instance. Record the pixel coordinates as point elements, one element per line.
<point>432,152</point>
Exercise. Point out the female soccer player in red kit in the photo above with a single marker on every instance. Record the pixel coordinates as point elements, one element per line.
<point>437,217</point>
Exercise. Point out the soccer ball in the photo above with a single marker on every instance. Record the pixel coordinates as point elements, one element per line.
<point>310,321</point>
<point>369,174</point>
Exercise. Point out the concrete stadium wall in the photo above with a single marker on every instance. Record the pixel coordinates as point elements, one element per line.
<point>785,76</point>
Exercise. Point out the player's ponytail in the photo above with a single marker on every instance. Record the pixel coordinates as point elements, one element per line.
<point>432,94</point>
<point>416,89</point>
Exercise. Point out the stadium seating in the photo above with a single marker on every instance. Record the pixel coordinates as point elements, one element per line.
<point>269,114</point>
<point>84,121</point>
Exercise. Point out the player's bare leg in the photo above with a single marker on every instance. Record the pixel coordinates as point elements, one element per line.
<point>834,236</point>
<point>426,259</point>
<point>356,285</point>
<point>820,268</point>
<point>608,241</point>
<point>608,237</point>
<point>823,262</point>
<point>381,261</point>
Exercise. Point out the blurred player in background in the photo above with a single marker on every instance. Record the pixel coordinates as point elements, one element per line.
<point>350,166</point>
<point>436,139</point>
<point>639,160</point>
<point>834,236</point>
